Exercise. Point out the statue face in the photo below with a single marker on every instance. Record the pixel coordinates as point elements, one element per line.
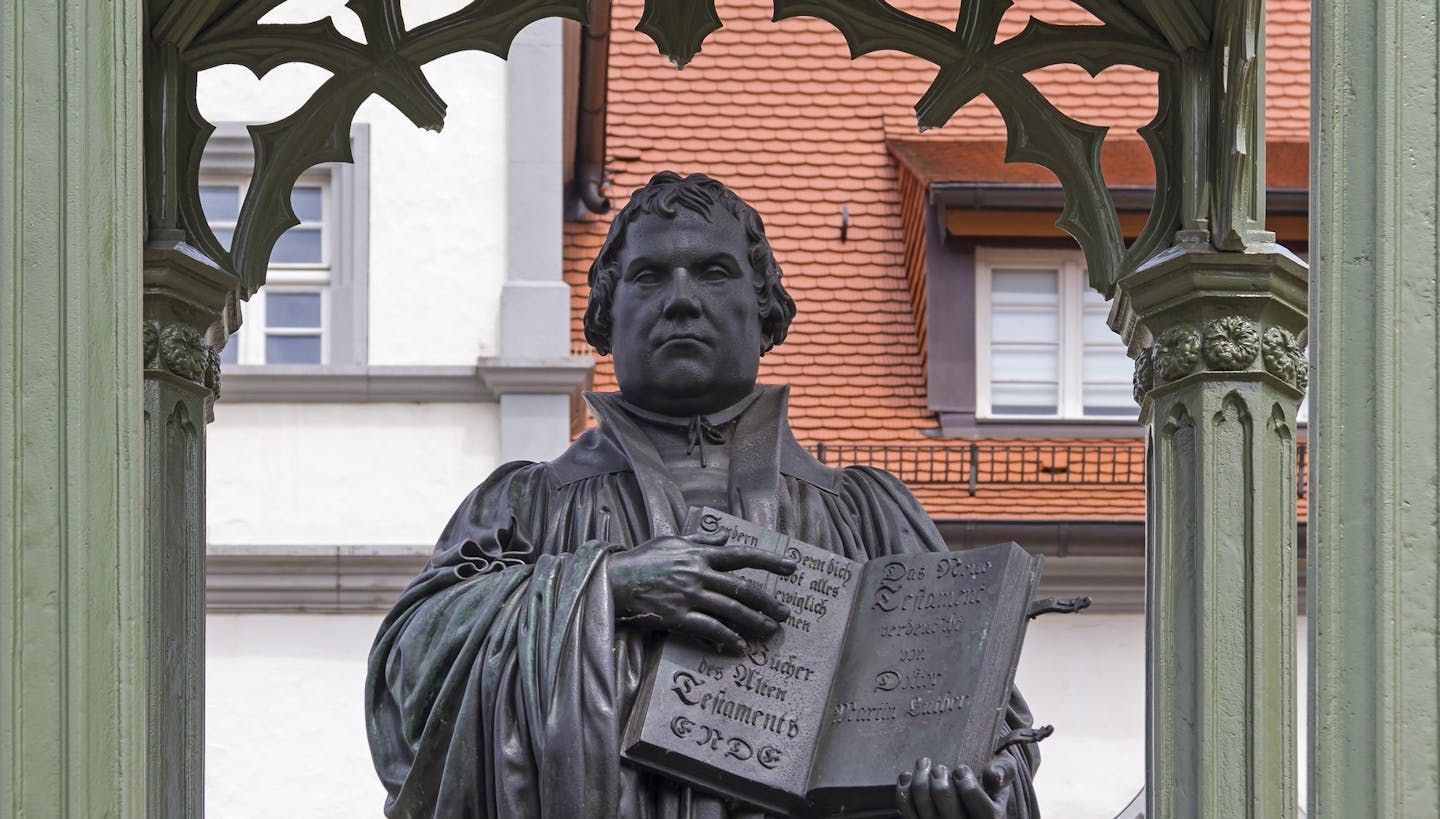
<point>685,329</point>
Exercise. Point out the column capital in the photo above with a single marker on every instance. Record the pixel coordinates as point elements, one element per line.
<point>1219,375</point>
<point>182,284</point>
<point>1194,314</point>
<point>190,307</point>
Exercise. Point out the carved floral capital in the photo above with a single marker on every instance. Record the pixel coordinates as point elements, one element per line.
<point>1228,344</point>
<point>1284,359</point>
<point>1231,343</point>
<point>1144,374</point>
<point>1177,352</point>
<point>181,350</point>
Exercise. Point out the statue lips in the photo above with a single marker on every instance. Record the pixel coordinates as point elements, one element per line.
<point>683,337</point>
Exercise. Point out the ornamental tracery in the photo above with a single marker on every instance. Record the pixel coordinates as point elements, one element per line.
<point>1173,39</point>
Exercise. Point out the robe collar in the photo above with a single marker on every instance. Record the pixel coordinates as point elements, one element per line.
<point>762,449</point>
<point>713,419</point>
<point>699,429</point>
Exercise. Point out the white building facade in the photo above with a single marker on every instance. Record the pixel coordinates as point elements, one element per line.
<point>357,407</point>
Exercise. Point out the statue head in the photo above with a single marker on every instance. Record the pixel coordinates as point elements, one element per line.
<point>665,195</point>
<point>686,294</point>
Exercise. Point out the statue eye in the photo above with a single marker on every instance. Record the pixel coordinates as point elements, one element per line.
<point>716,272</point>
<point>645,275</point>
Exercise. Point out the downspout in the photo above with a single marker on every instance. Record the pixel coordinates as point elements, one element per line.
<point>590,139</point>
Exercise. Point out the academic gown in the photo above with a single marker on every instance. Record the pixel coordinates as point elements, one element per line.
<point>499,685</point>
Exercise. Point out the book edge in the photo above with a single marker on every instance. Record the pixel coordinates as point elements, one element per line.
<point>1015,609</point>
<point>869,797</point>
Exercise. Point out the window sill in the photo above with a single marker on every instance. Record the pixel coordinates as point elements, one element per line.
<point>487,381</point>
<point>308,383</point>
<point>968,425</point>
<point>309,578</point>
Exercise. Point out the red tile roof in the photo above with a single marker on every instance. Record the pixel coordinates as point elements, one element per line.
<point>779,112</point>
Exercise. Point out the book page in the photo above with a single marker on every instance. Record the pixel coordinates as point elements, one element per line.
<point>747,726</point>
<point>915,666</point>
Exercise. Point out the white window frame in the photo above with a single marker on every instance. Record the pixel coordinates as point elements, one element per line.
<point>295,277</point>
<point>250,338</point>
<point>1071,333</point>
<point>343,275</point>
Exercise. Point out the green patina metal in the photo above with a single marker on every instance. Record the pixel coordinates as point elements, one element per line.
<point>204,35</point>
<point>1220,377</point>
<point>1170,39</point>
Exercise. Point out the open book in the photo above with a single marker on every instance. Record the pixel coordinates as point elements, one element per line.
<point>881,662</point>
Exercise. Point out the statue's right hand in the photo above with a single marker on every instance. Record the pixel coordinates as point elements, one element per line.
<point>685,585</point>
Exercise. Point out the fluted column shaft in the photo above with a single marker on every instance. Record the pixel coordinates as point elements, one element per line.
<point>75,727</point>
<point>1374,561</point>
<point>1219,375</point>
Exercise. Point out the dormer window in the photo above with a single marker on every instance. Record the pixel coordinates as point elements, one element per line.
<point>1043,349</point>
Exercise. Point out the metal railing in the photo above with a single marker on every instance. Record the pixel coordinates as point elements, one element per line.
<point>977,464</point>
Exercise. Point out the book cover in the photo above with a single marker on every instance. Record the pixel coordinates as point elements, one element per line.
<point>891,659</point>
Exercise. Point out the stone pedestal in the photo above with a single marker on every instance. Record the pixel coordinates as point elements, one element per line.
<point>1219,376</point>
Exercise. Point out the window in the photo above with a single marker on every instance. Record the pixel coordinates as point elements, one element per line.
<point>1043,347</point>
<point>312,309</point>
<point>285,321</point>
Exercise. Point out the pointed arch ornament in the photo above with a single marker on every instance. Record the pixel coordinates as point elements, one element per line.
<point>970,63</point>
<point>388,64</point>
<point>1170,38</point>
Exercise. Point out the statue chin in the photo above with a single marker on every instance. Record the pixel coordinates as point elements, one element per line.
<point>685,386</point>
<point>676,398</point>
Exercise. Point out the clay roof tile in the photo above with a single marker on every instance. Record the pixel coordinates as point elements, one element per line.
<point>778,111</point>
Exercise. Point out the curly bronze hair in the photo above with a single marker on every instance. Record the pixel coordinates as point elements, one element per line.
<point>663,195</point>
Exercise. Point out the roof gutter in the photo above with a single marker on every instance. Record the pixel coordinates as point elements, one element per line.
<point>1005,196</point>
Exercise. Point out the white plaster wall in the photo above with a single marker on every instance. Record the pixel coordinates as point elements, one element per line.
<point>285,717</point>
<point>438,221</point>
<point>1085,674</point>
<point>286,725</point>
<point>437,201</point>
<point>343,474</point>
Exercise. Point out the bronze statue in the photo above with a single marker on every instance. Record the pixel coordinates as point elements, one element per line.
<point>501,681</point>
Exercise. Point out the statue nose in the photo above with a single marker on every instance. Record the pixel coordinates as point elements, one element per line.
<point>683,299</point>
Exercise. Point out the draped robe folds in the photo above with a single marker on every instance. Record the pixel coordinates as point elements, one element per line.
<point>499,685</point>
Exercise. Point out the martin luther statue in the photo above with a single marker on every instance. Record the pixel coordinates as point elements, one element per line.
<point>501,681</point>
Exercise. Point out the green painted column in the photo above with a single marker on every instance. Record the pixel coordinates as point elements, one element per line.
<point>184,296</point>
<point>1220,376</point>
<point>1374,557</point>
<point>190,305</point>
<point>73,716</point>
<point>1214,324</point>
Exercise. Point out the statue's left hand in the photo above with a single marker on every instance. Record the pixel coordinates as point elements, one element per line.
<point>936,792</point>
